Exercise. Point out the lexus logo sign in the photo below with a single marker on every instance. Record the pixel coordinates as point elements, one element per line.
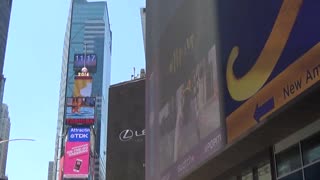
<point>128,134</point>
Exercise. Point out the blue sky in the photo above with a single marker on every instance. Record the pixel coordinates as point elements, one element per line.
<point>33,72</point>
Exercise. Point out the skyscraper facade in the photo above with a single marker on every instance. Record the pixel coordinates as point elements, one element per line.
<point>88,34</point>
<point>50,170</point>
<point>4,134</point>
<point>5,11</point>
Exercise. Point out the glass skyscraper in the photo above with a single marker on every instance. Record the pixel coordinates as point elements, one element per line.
<point>5,11</point>
<point>88,30</point>
<point>4,134</point>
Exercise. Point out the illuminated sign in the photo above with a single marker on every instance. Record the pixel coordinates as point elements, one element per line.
<point>128,134</point>
<point>76,162</point>
<point>89,61</point>
<point>80,111</point>
<point>83,74</point>
<point>79,134</point>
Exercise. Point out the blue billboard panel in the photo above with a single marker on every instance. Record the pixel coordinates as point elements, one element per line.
<point>79,134</point>
<point>269,53</point>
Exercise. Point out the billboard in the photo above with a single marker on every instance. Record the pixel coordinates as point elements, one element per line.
<point>270,53</point>
<point>87,60</point>
<point>126,131</point>
<point>76,162</point>
<point>80,111</point>
<point>78,134</point>
<point>184,123</point>
<point>61,164</point>
<point>82,86</point>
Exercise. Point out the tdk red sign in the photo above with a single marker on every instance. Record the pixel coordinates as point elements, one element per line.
<point>79,135</point>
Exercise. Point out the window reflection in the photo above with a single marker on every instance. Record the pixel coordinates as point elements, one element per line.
<point>311,149</point>
<point>264,172</point>
<point>288,161</point>
<point>247,176</point>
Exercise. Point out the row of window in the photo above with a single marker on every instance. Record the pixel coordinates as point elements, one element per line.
<point>300,161</point>
<point>262,172</point>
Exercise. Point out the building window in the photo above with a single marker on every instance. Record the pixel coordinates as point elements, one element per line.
<point>311,149</point>
<point>264,172</point>
<point>247,176</point>
<point>301,161</point>
<point>288,161</point>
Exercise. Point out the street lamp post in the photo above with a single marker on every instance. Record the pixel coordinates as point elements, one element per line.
<point>7,140</point>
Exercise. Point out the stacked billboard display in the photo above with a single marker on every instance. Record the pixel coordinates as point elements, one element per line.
<point>76,162</point>
<point>80,116</point>
<point>254,56</point>
<point>126,131</point>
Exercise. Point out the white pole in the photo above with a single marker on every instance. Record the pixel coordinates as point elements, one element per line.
<point>7,140</point>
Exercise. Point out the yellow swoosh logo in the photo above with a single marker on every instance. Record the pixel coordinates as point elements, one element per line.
<point>243,88</point>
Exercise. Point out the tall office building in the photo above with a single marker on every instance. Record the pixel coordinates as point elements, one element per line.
<point>88,33</point>
<point>4,134</point>
<point>50,170</point>
<point>143,23</point>
<point>5,11</point>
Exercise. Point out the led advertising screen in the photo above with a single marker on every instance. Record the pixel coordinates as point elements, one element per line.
<point>78,134</point>
<point>88,60</point>
<point>80,111</point>
<point>126,131</point>
<point>76,162</point>
<point>270,53</point>
<point>184,123</point>
<point>82,86</point>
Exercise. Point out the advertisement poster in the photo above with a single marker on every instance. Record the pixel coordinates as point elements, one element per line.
<point>76,162</point>
<point>82,86</point>
<point>89,61</point>
<point>80,110</point>
<point>79,134</point>
<point>126,131</point>
<point>270,54</point>
<point>184,123</point>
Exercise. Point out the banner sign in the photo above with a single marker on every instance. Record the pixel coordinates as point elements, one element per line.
<point>79,135</point>
<point>80,111</point>
<point>270,53</point>
<point>76,162</point>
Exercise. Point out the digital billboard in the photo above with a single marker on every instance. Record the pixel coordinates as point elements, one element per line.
<point>85,60</point>
<point>184,122</point>
<point>76,162</point>
<point>126,131</point>
<point>269,53</point>
<point>78,134</point>
<point>82,86</point>
<point>80,111</point>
